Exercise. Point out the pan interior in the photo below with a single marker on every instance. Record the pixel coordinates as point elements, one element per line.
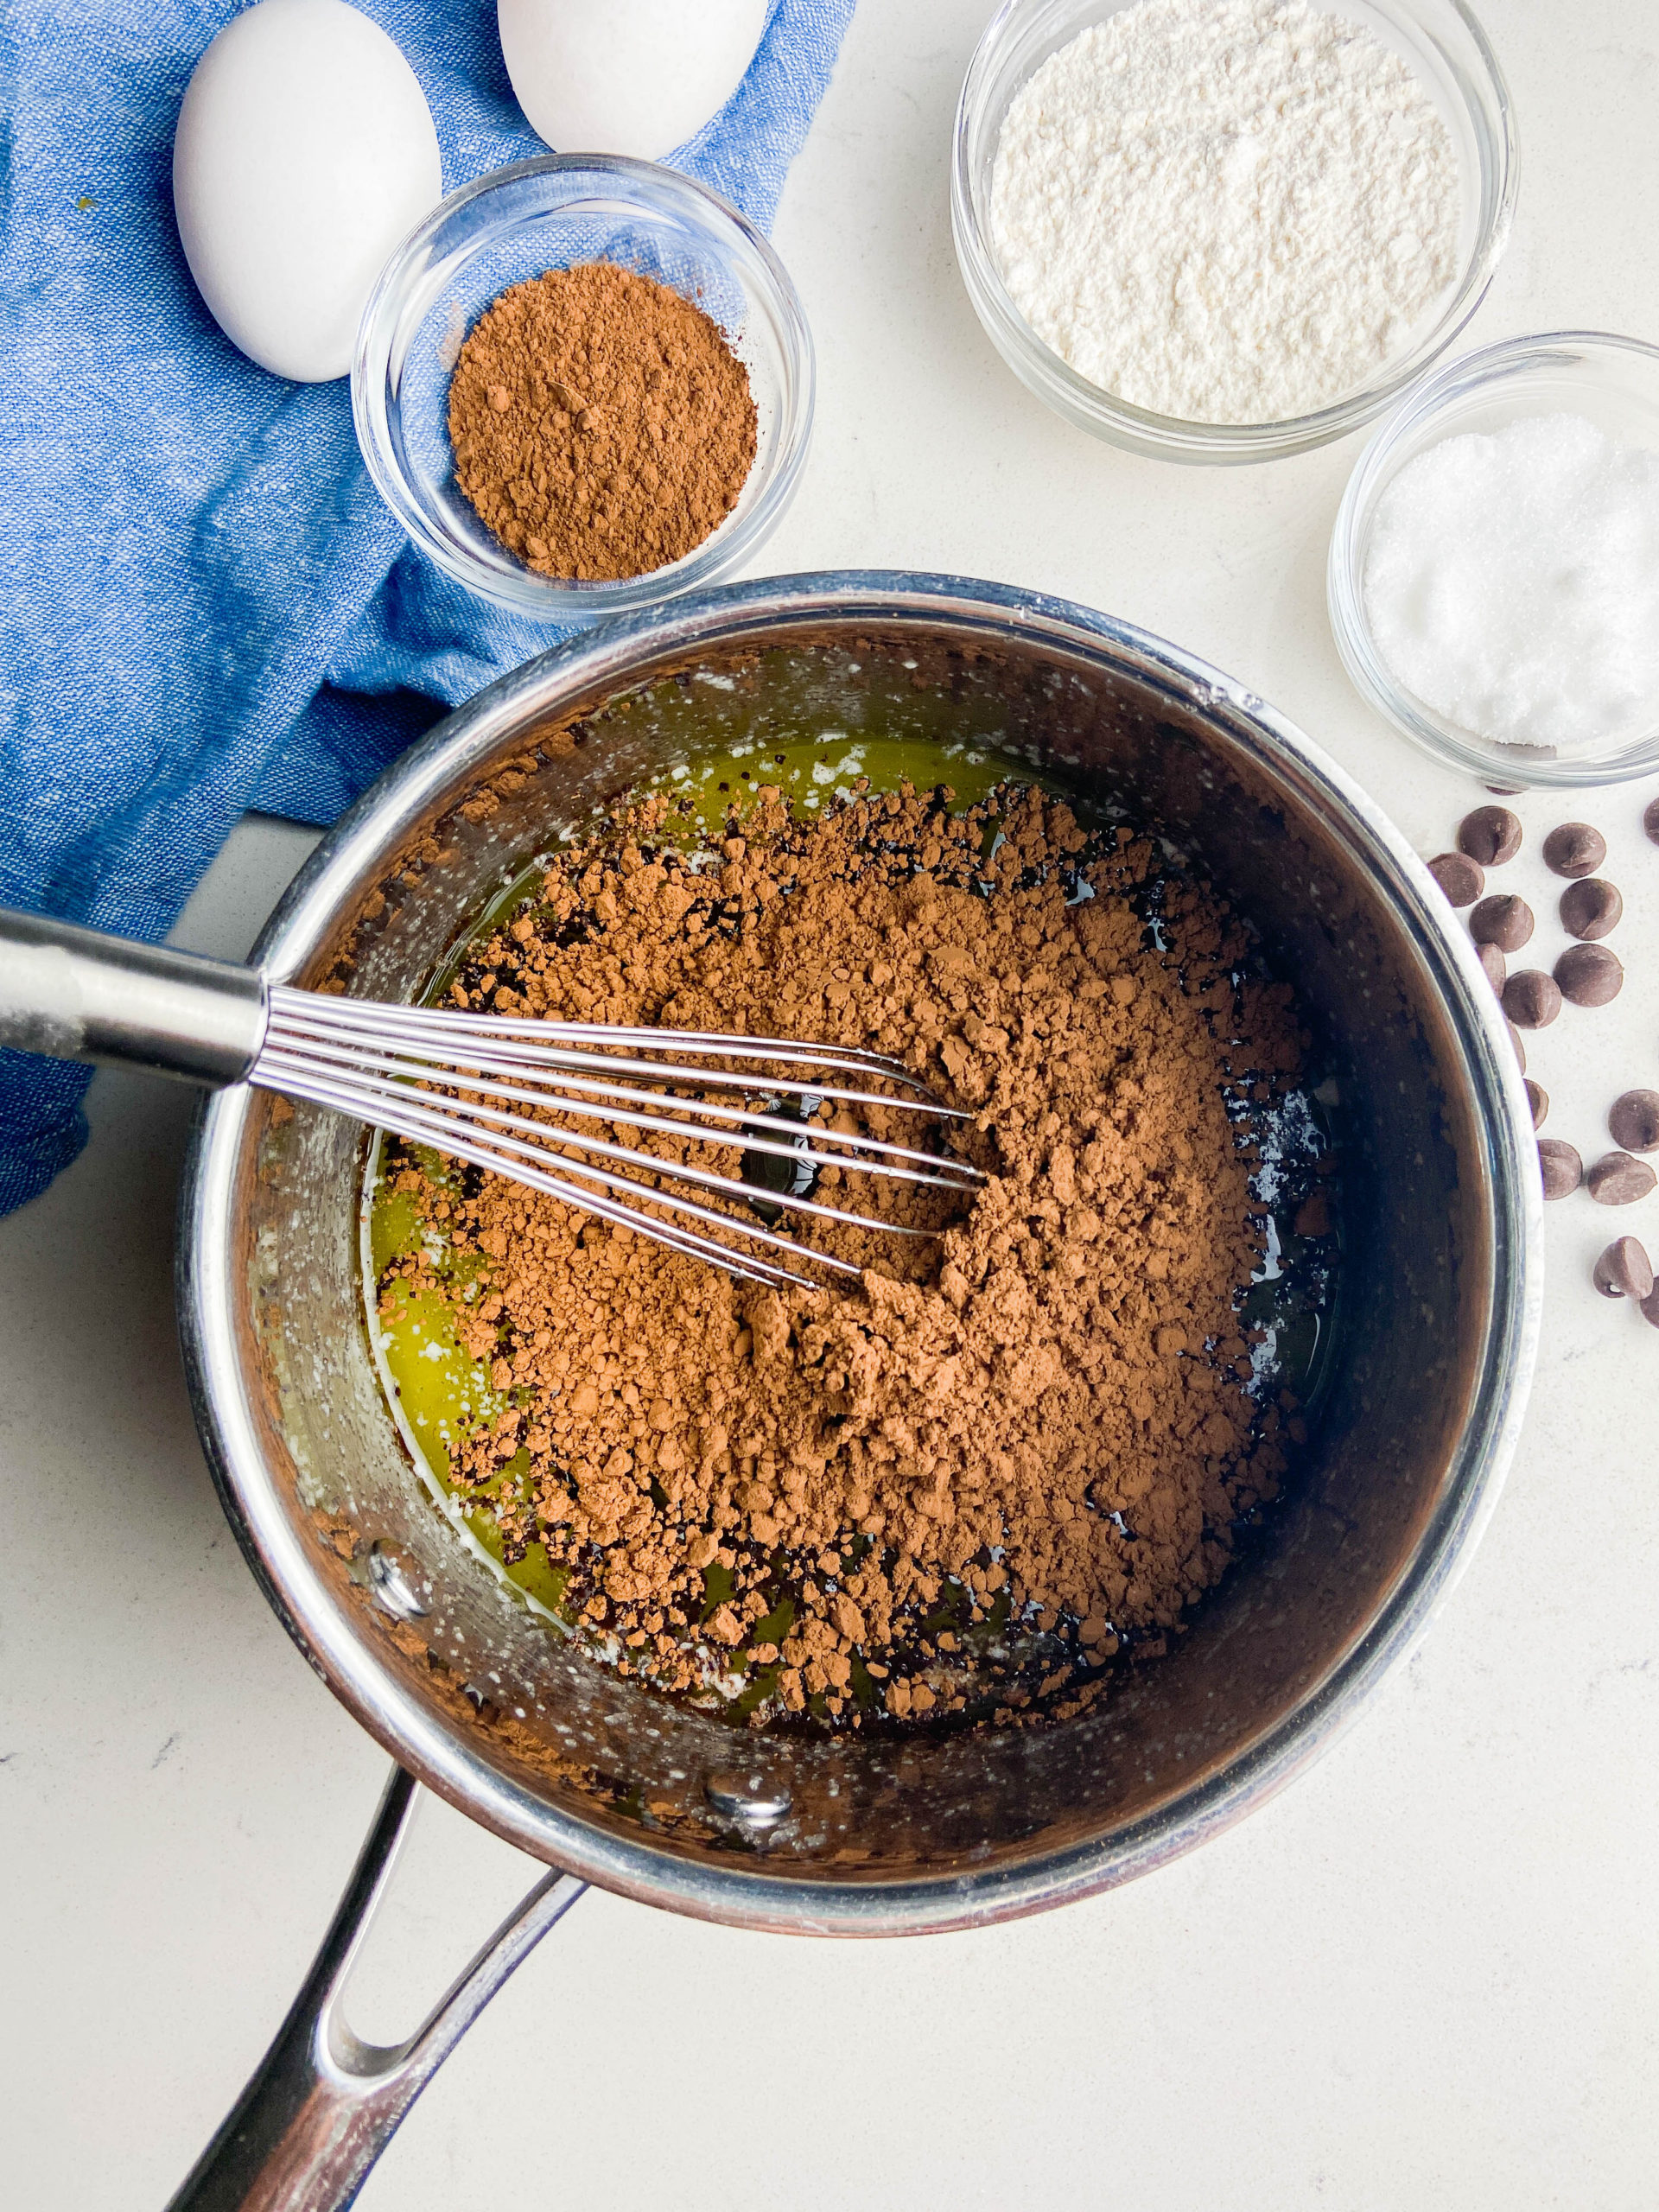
<point>598,1770</point>
<point>997,1655</point>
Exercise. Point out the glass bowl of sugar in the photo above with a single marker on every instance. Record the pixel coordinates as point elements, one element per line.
<point>1493,579</point>
<point>1224,231</point>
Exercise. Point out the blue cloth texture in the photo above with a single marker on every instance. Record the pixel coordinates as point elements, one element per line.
<point>204,605</point>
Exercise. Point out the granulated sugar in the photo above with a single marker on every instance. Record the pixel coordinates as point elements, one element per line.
<point>1229,211</point>
<point>1512,582</point>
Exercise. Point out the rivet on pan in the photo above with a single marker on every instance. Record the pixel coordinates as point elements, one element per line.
<point>753,1799</point>
<point>392,1581</point>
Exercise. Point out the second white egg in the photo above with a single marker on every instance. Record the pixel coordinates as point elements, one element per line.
<point>636,77</point>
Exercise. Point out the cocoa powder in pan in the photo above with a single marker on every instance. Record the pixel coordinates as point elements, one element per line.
<point>1035,1422</point>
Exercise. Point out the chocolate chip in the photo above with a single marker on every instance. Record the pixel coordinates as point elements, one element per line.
<point>1503,920</point>
<point>1617,1179</point>
<point>1494,963</point>
<point>1461,878</point>
<point>1574,850</point>
<point>1538,1099</point>
<point>1650,1307</point>
<point>1650,819</point>
<point>1563,1169</point>
<point>1633,1121</point>
<point>1492,835</point>
<point>1590,909</point>
<point>1520,1049</point>
<point>1531,999</point>
<point>1624,1270</point>
<point>1589,975</point>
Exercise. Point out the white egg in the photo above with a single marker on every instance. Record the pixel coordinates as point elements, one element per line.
<point>304,152</point>
<point>627,76</point>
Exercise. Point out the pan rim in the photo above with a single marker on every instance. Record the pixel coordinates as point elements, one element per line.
<point>745,1892</point>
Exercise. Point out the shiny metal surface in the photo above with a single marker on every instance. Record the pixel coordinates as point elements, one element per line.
<point>79,995</point>
<point>323,2105</point>
<point>886,1836</point>
<point>436,1076</point>
<point>968,1829</point>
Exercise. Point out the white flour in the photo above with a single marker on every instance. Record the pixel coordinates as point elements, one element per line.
<point>1231,211</point>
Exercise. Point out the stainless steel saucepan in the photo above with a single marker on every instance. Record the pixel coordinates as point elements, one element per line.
<point>598,1777</point>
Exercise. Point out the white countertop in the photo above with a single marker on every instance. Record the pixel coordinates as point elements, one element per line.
<point>1426,1975</point>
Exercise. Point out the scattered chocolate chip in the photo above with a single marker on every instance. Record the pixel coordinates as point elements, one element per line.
<point>1649,1306</point>
<point>1531,999</point>
<point>1461,878</point>
<point>1520,1049</point>
<point>1574,850</point>
<point>1624,1270</point>
<point>1590,909</point>
<point>1538,1099</point>
<point>1503,920</point>
<point>1633,1121</point>
<point>1617,1179</point>
<point>1494,963</point>
<point>1650,819</point>
<point>1492,835</point>
<point>1563,1171</point>
<point>1589,975</point>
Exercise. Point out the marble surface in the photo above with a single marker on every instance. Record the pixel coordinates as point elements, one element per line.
<point>1426,1975</point>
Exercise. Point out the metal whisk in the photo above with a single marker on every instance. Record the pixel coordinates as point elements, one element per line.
<point>541,1102</point>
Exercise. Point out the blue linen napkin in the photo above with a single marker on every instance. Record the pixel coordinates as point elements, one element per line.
<point>204,607</point>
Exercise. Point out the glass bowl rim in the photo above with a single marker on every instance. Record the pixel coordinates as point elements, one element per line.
<point>521,590</point>
<point>1173,437</point>
<point>1369,673</point>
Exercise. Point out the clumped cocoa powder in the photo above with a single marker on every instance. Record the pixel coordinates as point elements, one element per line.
<point>602,427</point>
<point>957,1484</point>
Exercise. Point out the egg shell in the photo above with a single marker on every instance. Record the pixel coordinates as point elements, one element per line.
<point>304,152</point>
<point>636,77</point>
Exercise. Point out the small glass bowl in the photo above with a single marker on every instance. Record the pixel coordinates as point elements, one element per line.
<point>1614,382</point>
<point>1442,42</point>
<point>552,213</point>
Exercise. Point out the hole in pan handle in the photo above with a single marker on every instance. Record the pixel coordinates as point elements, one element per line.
<point>322,2105</point>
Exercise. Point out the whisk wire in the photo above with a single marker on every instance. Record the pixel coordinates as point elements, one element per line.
<point>546,1039</point>
<point>567,1057</point>
<point>382,1101</point>
<point>523,1164</point>
<point>874,1154</point>
<point>437,1076</point>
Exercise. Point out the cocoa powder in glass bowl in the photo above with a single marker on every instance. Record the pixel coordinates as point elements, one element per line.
<point>559,213</point>
<point>602,427</point>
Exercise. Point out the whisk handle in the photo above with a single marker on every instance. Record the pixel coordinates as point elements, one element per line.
<point>80,995</point>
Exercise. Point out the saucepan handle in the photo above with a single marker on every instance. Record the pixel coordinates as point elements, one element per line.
<point>322,2106</point>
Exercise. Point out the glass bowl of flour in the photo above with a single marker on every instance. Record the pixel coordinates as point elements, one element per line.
<point>1493,578</point>
<point>1227,230</point>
